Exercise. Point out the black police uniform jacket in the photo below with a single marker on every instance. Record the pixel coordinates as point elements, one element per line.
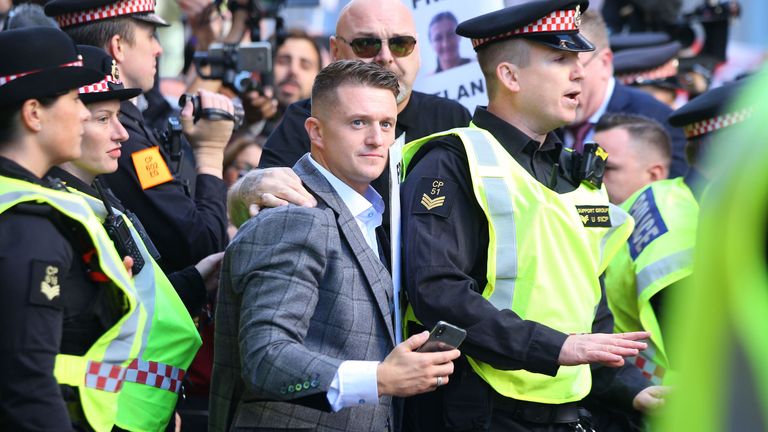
<point>186,222</point>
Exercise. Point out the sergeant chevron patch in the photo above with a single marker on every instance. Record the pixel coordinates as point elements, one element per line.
<point>429,204</point>
<point>437,196</point>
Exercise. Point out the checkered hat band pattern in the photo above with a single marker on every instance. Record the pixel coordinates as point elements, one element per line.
<point>6,79</point>
<point>706,126</point>
<point>99,87</point>
<point>668,69</point>
<point>104,376</point>
<point>160,375</point>
<point>562,20</point>
<point>650,370</point>
<point>123,7</point>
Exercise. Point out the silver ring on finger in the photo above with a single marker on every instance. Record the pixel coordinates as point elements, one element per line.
<point>439,381</point>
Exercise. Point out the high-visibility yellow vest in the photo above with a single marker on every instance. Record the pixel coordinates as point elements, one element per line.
<point>169,344</point>
<point>100,373</point>
<point>554,280</point>
<point>718,340</point>
<point>658,253</point>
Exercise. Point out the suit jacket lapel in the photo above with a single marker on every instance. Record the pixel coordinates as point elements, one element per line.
<point>379,280</point>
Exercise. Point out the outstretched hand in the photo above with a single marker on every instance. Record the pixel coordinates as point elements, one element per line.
<point>606,349</point>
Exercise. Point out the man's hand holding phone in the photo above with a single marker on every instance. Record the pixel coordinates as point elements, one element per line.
<point>407,372</point>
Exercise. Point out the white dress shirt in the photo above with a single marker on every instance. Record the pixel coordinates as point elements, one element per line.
<point>355,382</point>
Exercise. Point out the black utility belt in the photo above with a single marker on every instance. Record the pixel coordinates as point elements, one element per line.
<point>538,412</point>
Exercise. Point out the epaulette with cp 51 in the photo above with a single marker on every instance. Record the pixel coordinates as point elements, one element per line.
<point>589,165</point>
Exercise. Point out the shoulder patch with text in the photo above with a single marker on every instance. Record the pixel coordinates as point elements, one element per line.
<point>434,196</point>
<point>594,216</point>
<point>45,287</point>
<point>151,167</point>
<point>649,224</point>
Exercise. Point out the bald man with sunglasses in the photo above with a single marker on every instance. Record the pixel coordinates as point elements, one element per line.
<point>381,31</point>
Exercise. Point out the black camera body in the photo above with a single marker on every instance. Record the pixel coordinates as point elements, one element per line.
<point>199,112</point>
<point>234,64</point>
<point>589,165</point>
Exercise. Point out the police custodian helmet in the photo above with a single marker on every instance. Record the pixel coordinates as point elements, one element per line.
<point>39,62</point>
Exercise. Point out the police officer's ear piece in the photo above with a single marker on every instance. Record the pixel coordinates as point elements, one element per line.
<point>589,165</point>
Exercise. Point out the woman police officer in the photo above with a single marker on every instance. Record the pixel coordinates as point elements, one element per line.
<point>170,339</point>
<point>70,322</point>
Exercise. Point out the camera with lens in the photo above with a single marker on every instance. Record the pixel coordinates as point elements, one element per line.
<point>235,64</point>
<point>199,112</point>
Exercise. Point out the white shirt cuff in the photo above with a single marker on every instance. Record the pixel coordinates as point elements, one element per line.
<point>354,384</point>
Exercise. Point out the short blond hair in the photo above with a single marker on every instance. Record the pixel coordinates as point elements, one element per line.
<point>593,27</point>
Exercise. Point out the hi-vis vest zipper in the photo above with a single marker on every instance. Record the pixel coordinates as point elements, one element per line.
<point>659,253</point>
<point>99,375</point>
<point>169,344</point>
<point>545,254</point>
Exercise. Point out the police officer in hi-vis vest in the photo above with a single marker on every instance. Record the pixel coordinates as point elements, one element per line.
<point>506,235</point>
<point>178,193</point>
<point>656,257</point>
<point>169,340</point>
<point>717,343</point>
<point>70,318</point>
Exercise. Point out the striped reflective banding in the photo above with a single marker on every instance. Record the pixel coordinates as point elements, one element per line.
<point>155,374</point>
<point>99,87</point>
<point>502,218</point>
<point>124,7</point>
<point>119,349</point>
<point>8,78</point>
<point>716,123</point>
<point>648,367</point>
<point>557,21</point>
<point>663,267</point>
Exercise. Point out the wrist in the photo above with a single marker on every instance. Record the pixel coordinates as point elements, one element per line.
<point>380,380</point>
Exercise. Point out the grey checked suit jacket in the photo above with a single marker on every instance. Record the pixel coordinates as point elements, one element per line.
<point>301,291</point>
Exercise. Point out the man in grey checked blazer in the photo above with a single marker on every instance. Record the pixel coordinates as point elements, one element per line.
<point>303,292</point>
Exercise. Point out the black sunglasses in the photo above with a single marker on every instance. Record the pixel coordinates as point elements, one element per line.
<point>369,47</point>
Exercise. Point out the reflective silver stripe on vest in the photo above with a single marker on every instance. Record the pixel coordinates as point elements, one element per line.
<point>502,215</point>
<point>663,267</point>
<point>119,349</point>
<point>144,281</point>
<point>618,218</point>
<point>145,285</point>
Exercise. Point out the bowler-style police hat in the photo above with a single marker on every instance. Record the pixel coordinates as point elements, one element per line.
<point>109,87</point>
<point>39,62</point>
<point>653,65</point>
<point>554,23</point>
<point>70,13</point>
<point>711,111</point>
